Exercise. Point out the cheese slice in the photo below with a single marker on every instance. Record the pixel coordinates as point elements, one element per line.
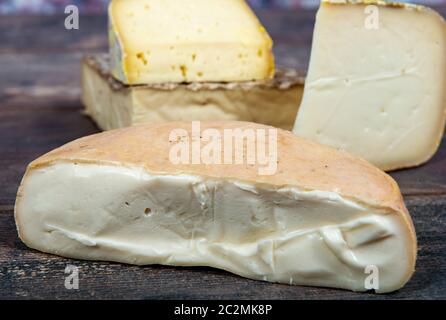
<point>325,218</point>
<point>114,105</point>
<point>376,84</point>
<point>158,41</point>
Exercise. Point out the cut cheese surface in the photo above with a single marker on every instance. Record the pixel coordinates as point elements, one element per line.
<point>323,219</point>
<point>114,105</point>
<point>159,41</point>
<point>376,82</point>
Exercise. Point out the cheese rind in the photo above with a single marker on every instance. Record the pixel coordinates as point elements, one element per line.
<point>154,41</point>
<point>114,105</point>
<point>322,219</point>
<point>377,93</point>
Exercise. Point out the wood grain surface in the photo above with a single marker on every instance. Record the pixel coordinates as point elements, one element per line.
<point>40,110</point>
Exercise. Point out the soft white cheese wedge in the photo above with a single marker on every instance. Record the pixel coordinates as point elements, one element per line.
<point>376,84</point>
<point>159,41</point>
<point>324,219</point>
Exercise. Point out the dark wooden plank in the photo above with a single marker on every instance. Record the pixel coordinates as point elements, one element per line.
<point>40,34</point>
<point>33,80</point>
<point>40,110</point>
<point>43,34</point>
<point>26,273</point>
<point>47,33</point>
<point>428,179</point>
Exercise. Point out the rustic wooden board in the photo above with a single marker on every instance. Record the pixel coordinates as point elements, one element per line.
<point>40,110</point>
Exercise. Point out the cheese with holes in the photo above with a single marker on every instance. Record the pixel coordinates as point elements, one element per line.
<point>159,41</point>
<point>114,105</point>
<point>376,84</point>
<point>323,218</point>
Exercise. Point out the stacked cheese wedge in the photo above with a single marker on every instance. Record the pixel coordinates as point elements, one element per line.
<point>173,60</point>
<point>375,88</point>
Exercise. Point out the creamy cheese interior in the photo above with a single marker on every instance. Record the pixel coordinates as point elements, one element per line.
<point>285,235</point>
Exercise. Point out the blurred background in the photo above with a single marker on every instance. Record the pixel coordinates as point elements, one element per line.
<point>98,6</point>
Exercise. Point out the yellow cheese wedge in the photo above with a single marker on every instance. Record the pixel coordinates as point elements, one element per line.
<point>158,41</point>
<point>376,84</point>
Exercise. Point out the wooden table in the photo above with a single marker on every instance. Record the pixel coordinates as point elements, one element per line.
<point>40,110</point>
